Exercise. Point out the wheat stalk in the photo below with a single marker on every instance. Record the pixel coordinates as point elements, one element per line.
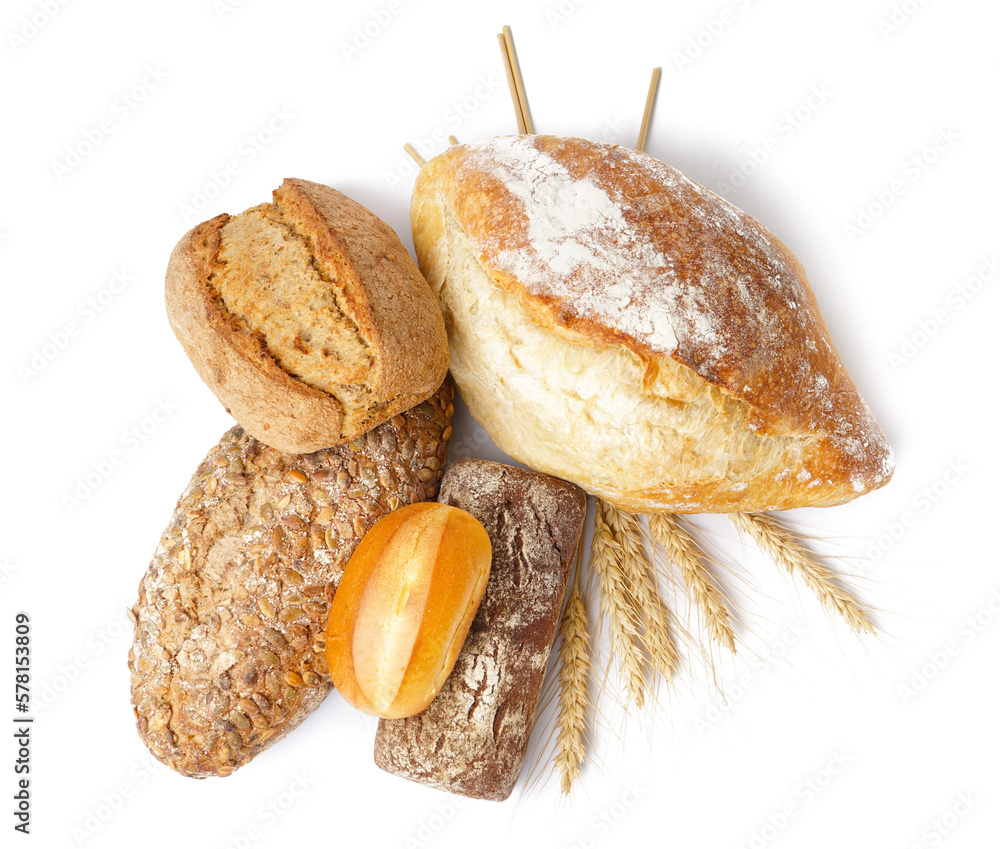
<point>684,552</point>
<point>574,672</point>
<point>649,607</point>
<point>787,550</point>
<point>607,560</point>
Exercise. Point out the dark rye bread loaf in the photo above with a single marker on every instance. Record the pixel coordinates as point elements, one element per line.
<point>229,651</point>
<point>473,737</point>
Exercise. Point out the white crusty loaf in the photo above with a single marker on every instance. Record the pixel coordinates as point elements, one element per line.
<point>614,324</point>
<point>306,317</point>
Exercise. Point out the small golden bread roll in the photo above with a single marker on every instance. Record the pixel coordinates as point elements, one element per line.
<point>616,325</point>
<point>306,317</point>
<point>404,605</point>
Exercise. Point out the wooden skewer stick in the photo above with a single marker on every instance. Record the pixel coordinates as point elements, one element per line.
<point>515,82</point>
<point>509,70</point>
<point>647,114</point>
<point>410,149</point>
<point>522,97</point>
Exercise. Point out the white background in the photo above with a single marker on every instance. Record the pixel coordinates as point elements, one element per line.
<point>119,119</point>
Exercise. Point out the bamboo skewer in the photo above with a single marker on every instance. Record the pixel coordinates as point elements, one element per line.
<point>647,114</point>
<point>509,70</point>
<point>517,94</point>
<point>515,81</point>
<point>410,149</point>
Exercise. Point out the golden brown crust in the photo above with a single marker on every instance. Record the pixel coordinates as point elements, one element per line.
<point>607,253</point>
<point>403,608</point>
<point>386,295</point>
<point>229,652</point>
<point>395,316</point>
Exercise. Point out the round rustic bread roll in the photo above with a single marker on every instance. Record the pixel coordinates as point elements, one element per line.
<point>306,317</point>
<point>616,325</point>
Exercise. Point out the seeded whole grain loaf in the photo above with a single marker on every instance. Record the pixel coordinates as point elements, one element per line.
<point>473,737</point>
<point>229,648</point>
<point>306,317</point>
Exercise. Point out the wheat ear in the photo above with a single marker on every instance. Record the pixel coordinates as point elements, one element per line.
<point>685,553</point>
<point>787,550</point>
<point>574,674</point>
<point>606,560</point>
<point>645,595</point>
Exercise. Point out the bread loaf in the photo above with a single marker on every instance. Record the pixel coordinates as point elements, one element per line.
<point>306,317</point>
<point>404,606</point>
<point>229,652</point>
<point>472,739</point>
<point>614,324</point>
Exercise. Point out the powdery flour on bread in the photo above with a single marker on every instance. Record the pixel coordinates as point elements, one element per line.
<point>615,324</point>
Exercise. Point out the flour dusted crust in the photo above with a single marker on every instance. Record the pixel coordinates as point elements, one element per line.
<point>306,317</point>
<point>229,650</point>
<point>472,739</point>
<point>617,325</point>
